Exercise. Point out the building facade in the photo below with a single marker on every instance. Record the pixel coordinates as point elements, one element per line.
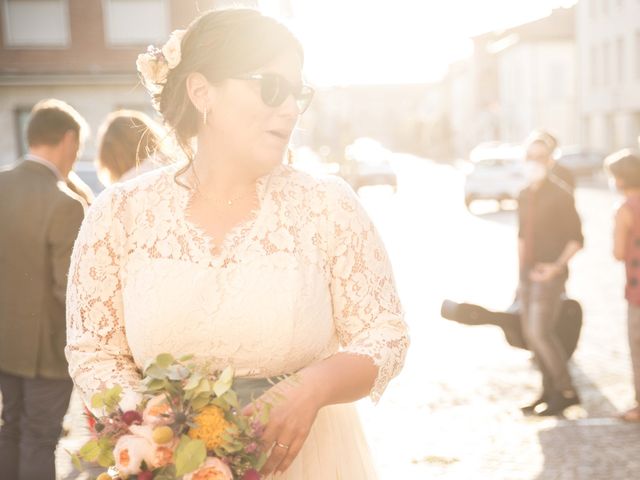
<point>517,80</point>
<point>79,51</point>
<point>608,41</point>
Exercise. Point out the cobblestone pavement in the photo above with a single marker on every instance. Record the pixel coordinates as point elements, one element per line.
<point>453,412</point>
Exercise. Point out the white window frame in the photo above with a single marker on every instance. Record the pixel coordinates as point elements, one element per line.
<point>620,59</point>
<point>637,52</point>
<point>9,44</point>
<point>105,23</point>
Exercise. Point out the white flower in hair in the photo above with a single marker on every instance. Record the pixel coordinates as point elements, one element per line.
<point>171,49</point>
<point>155,63</point>
<point>152,66</point>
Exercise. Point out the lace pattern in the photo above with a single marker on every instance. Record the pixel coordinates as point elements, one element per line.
<point>306,276</point>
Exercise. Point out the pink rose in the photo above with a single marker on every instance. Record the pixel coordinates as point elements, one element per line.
<point>158,412</point>
<point>130,452</point>
<point>161,455</point>
<point>212,469</point>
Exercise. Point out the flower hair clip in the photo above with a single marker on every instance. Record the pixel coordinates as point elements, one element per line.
<point>154,65</point>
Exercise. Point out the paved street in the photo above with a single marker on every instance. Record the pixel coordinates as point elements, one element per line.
<point>453,413</point>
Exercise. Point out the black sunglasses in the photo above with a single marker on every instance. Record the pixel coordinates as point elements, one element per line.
<point>274,90</point>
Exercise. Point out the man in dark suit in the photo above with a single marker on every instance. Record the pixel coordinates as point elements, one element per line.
<point>40,218</point>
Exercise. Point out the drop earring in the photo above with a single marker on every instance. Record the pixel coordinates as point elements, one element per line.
<point>204,114</point>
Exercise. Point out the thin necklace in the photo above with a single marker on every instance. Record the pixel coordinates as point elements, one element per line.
<point>228,202</point>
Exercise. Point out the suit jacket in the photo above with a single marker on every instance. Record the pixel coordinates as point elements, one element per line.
<point>39,221</point>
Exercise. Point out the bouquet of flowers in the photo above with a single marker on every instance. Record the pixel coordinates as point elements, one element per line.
<point>188,425</point>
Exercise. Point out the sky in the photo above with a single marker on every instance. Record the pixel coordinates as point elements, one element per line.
<point>397,41</point>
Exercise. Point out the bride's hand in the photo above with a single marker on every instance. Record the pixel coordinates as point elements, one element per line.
<point>293,410</point>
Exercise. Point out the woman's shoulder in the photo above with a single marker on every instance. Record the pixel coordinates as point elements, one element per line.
<point>326,186</point>
<point>148,187</point>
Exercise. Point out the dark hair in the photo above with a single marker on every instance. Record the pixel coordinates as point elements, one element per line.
<point>624,165</point>
<point>218,44</point>
<point>125,138</point>
<point>543,137</point>
<point>50,119</point>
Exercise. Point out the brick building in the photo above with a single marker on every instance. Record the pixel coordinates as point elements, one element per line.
<point>80,51</point>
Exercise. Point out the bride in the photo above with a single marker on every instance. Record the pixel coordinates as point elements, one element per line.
<point>238,259</point>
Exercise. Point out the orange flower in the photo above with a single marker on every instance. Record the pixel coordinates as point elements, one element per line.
<point>211,425</point>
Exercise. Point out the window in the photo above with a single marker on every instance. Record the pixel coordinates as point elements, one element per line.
<point>620,59</point>
<point>556,86</point>
<point>606,63</point>
<point>36,23</point>
<point>21,118</point>
<point>638,54</point>
<point>123,25</point>
<point>595,66</point>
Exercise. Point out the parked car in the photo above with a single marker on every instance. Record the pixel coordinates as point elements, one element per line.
<point>580,161</point>
<point>309,161</point>
<point>366,162</point>
<point>496,173</point>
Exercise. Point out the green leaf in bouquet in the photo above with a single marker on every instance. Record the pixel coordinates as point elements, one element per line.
<point>193,382</point>
<point>231,444</point>
<point>224,382</point>
<point>185,358</point>
<point>233,429</point>
<point>265,412</point>
<point>201,401</point>
<point>90,451</point>
<point>203,387</point>
<point>97,401</point>
<point>111,398</point>
<point>262,459</point>
<point>107,399</point>
<point>232,399</point>
<point>165,473</point>
<point>178,372</point>
<point>190,454</point>
<point>156,371</point>
<point>76,461</point>
<point>154,384</point>
<point>105,457</point>
<point>164,360</point>
<point>220,402</point>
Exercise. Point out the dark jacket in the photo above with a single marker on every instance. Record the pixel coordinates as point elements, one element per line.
<point>548,221</point>
<point>40,218</point>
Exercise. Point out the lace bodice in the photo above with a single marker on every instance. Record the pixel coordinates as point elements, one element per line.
<point>307,276</point>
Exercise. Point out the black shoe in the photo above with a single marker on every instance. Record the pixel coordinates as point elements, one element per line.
<point>531,409</point>
<point>557,403</point>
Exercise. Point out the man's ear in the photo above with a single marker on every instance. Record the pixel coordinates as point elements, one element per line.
<point>199,91</point>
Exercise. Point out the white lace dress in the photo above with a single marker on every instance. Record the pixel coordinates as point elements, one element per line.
<point>305,277</point>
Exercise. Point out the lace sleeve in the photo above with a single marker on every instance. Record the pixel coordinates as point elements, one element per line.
<point>97,349</point>
<point>367,310</point>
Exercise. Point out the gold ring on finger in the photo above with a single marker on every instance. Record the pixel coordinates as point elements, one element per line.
<point>282,445</point>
